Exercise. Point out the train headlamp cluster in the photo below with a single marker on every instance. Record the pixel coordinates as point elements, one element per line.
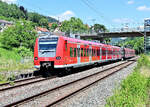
<point>36,58</point>
<point>58,57</point>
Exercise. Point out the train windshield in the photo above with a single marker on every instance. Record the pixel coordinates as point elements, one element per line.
<point>48,44</point>
<point>50,47</point>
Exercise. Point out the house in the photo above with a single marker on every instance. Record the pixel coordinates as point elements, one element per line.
<point>4,24</point>
<point>41,31</point>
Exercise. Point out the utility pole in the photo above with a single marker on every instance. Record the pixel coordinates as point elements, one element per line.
<point>144,36</point>
<point>146,39</point>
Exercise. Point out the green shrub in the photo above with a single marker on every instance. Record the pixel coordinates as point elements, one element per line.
<point>133,92</point>
<point>24,52</point>
<point>143,61</point>
<point>20,34</point>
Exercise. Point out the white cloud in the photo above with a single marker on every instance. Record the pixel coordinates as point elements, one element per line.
<point>9,1</point>
<point>64,16</point>
<point>122,20</point>
<point>130,2</point>
<point>143,8</point>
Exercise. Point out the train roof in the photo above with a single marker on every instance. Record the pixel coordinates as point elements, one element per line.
<point>87,42</point>
<point>80,41</point>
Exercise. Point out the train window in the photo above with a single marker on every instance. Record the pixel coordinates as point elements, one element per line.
<point>78,52</point>
<point>93,52</point>
<point>90,52</point>
<point>75,52</point>
<point>109,52</point>
<point>66,45</point>
<point>104,52</point>
<point>98,52</point>
<point>81,52</point>
<point>71,52</point>
<point>85,52</point>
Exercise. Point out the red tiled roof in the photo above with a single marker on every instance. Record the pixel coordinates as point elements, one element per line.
<point>42,29</point>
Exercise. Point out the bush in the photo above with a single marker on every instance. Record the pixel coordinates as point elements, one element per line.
<point>134,89</point>
<point>24,52</point>
<point>143,61</point>
<point>133,92</point>
<point>20,34</point>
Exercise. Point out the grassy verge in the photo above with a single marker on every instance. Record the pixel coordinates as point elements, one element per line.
<point>11,61</point>
<point>134,90</point>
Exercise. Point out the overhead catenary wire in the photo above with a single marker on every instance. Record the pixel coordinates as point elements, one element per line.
<point>90,5</point>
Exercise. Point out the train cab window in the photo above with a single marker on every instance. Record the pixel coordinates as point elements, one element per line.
<point>81,52</point>
<point>71,52</point>
<point>78,49</point>
<point>85,52</point>
<point>75,52</point>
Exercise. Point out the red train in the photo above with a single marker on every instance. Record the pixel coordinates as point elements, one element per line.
<point>53,51</point>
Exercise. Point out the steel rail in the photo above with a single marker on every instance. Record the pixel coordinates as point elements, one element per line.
<point>25,100</point>
<point>37,79</point>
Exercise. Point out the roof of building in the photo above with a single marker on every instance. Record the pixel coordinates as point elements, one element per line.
<point>5,22</point>
<point>42,29</point>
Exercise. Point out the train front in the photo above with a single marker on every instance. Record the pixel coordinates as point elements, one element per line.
<point>45,52</point>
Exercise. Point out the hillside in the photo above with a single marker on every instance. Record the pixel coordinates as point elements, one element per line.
<point>14,12</point>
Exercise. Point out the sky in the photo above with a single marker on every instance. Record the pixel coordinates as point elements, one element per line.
<point>111,13</point>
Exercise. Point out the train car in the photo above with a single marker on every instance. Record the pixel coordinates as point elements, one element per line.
<point>54,52</point>
<point>128,53</point>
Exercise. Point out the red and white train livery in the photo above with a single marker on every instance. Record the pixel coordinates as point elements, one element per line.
<point>63,52</point>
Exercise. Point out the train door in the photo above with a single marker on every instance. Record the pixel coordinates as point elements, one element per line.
<point>100,53</point>
<point>90,55</point>
<point>78,56</point>
<point>106,50</point>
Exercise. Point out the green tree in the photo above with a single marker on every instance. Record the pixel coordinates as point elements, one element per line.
<point>43,22</point>
<point>20,34</point>
<point>136,43</point>
<point>74,25</point>
<point>99,28</point>
<point>54,26</point>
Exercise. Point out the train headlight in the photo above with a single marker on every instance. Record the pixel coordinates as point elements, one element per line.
<point>36,58</point>
<point>58,57</point>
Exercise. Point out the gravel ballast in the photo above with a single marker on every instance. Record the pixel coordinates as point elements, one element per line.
<point>96,95</point>
<point>88,98</point>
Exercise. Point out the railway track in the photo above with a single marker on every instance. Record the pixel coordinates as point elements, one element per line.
<point>22,82</point>
<point>19,83</point>
<point>56,95</point>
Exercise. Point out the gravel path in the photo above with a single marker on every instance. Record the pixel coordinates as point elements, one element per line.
<point>96,95</point>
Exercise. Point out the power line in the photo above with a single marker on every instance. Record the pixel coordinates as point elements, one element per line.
<point>88,3</point>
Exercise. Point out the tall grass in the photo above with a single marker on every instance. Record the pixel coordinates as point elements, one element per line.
<point>10,62</point>
<point>133,90</point>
